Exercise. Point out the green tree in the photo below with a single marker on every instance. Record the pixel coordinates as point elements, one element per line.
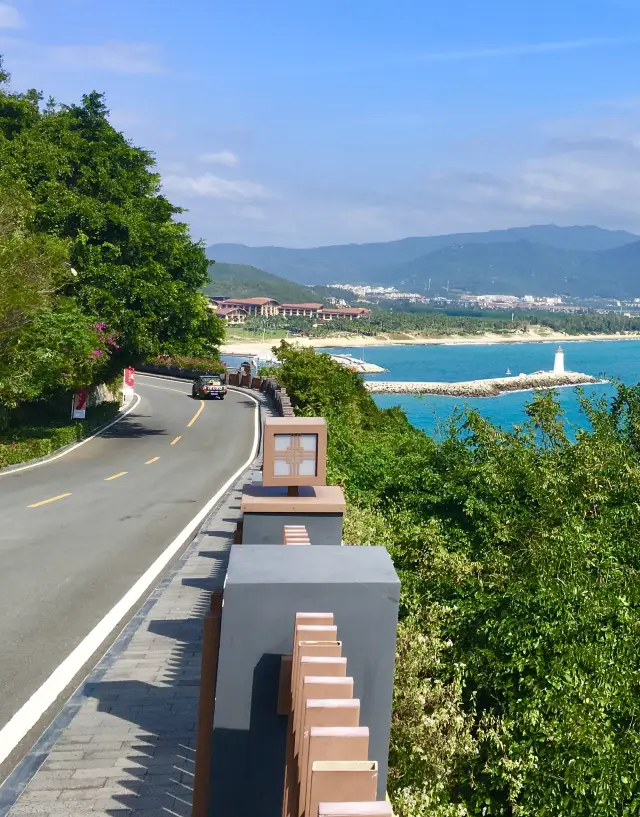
<point>138,269</point>
<point>517,674</point>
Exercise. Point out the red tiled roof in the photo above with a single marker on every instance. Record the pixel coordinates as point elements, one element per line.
<point>227,310</point>
<point>253,301</point>
<point>301,306</point>
<point>355,311</point>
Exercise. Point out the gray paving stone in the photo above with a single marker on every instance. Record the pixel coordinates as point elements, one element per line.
<point>109,771</point>
<point>80,795</point>
<point>111,805</point>
<point>39,783</point>
<point>130,748</point>
<point>39,797</point>
<point>71,754</point>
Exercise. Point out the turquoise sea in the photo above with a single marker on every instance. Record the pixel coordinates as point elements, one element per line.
<point>619,359</point>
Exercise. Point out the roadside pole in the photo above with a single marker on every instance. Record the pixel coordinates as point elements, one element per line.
<point>128,384</point>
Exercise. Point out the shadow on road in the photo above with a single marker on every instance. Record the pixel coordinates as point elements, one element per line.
<point>131,429</point>
<point>163,711</point>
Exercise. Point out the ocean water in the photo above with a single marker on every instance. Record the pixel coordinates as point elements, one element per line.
<point>618,359</point>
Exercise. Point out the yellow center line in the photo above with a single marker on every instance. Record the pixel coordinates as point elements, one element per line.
<point>196,415</point>
<point>153,459</point>
<point>115,476</point>
<point>173,442</point>
<point>47,501</point>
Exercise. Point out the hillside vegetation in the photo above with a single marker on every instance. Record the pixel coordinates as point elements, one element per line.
<point>539,260</point>
<point>245,281</point>
<point>517,670</point>
<point>95,272</point>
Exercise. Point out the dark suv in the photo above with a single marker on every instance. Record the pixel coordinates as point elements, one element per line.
<point>208,385</point>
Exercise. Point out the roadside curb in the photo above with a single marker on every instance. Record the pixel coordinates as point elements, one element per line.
<point>21,776</point>
<point>59,452</point>
<point>222,514</point>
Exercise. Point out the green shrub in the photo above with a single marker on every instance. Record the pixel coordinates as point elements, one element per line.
<point>39,437</point>
<point>212,365</point>
<point>517,680</point>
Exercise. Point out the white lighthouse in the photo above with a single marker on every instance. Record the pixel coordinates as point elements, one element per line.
<point>558,363</point>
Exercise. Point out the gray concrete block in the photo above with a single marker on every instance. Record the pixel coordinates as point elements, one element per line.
<point>266,586</point>
<point>267,528</point>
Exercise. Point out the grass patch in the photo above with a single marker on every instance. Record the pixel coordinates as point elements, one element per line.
<point>235,333</point>
<point>40,432</point>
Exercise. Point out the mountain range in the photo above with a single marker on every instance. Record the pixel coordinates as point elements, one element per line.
<point>581,261</point>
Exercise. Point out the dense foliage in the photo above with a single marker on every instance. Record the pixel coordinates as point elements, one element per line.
<point>95,272</point>
<point>452,320</point>
<point>405,321</point>
<point>517,673</point>
<point>42,428</point>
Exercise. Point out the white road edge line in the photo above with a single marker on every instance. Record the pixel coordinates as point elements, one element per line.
<point>77,445</point>
<point>31,712</point>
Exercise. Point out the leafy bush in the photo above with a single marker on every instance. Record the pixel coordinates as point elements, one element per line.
<point>198,364</point>
<point>517,673</point>
<point>44,432</point>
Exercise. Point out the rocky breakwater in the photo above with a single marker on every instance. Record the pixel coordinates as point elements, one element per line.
<point>484,388</point>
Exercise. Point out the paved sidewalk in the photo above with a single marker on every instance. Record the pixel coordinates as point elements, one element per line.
<point>129,749</point>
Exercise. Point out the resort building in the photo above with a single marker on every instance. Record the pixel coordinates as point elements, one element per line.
<point>232,314</point>
<point>238,310</point>
<point>299,310</point>
<point>255,307</point>
<point>349,314</point>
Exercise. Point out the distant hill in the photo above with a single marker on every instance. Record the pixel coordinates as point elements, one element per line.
<point>515,268</point>
<point>614,273</point>
<point>522,268</point>
<point>382,262</point>
<point>244,281</point>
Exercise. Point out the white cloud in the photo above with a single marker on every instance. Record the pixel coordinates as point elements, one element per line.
<point>226,158</point>
<point>10,16</point>
<point>210,186</point>
<point>127,58</point>
<point>589,177</point>
<point>521,50</point>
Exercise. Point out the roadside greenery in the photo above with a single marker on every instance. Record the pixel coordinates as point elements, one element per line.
<point>404,320</point>
<point>43,428</point>
<point>517,673</point>
<point>198,364</point>
<point>95,271</point>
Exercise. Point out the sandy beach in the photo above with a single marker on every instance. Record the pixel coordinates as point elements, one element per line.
<point>356,342</point>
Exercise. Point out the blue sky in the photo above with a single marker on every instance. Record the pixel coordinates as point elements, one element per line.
<point>306,122</point>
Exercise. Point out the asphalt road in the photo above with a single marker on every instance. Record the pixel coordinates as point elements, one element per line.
<point>76,533</point>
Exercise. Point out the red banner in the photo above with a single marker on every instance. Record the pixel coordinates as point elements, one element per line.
<point>79,410</point>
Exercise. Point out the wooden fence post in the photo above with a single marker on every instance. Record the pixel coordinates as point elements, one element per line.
<point>206,707</point>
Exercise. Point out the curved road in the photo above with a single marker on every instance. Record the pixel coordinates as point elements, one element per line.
<point>78,532</point>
